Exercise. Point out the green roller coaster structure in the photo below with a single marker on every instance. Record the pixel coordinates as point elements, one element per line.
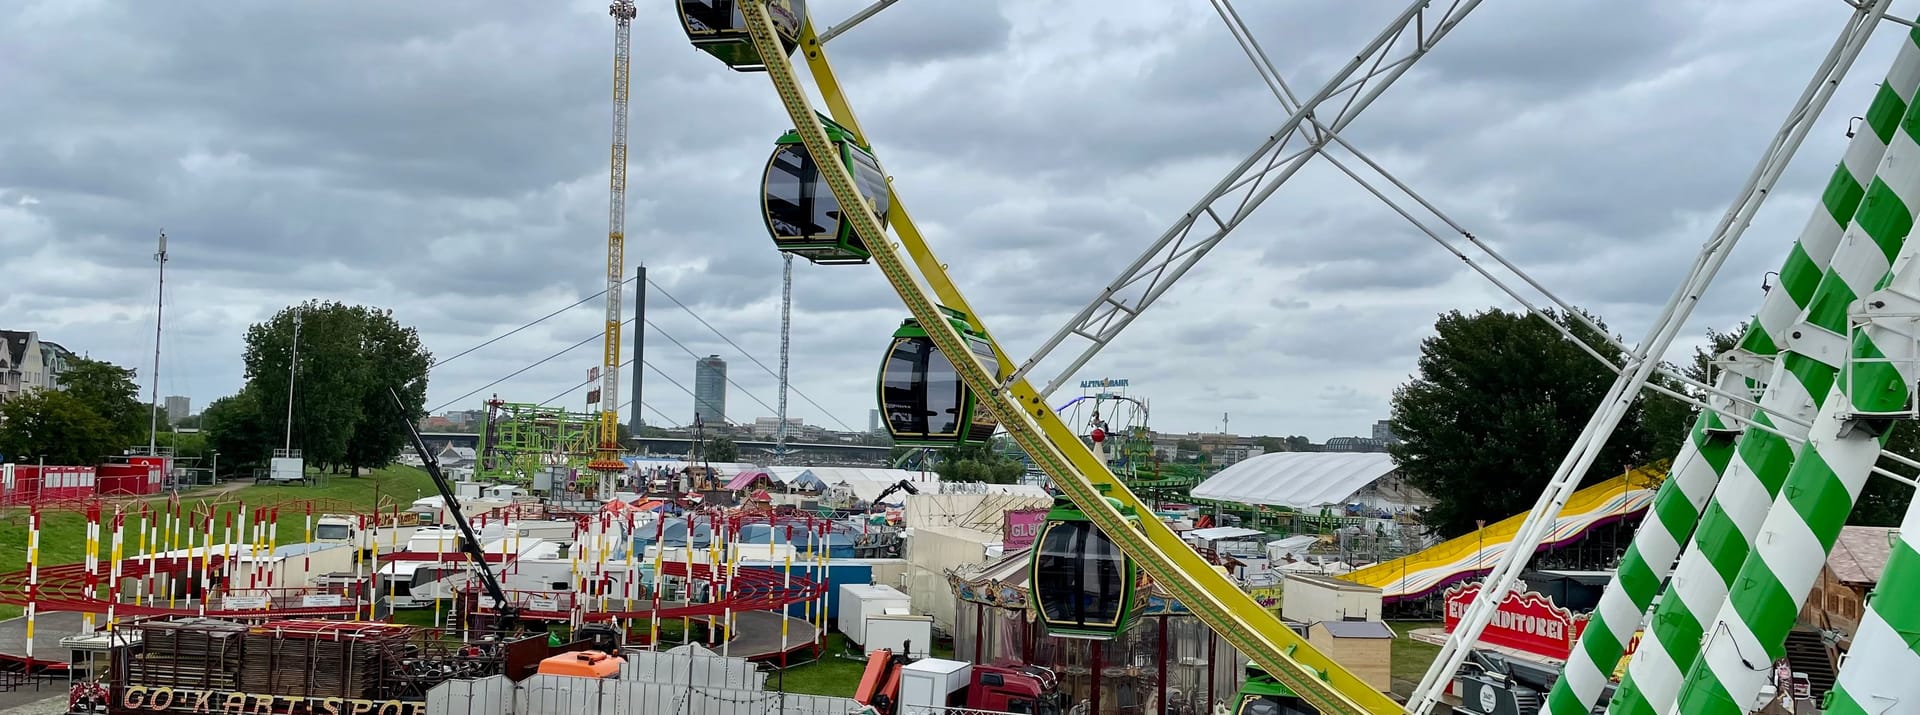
<point>520,439</point>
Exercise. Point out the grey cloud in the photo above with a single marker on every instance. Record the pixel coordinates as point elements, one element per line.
<point>452,164</point>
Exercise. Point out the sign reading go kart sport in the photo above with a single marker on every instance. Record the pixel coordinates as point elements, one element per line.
<point>141,698</point>
<point>1527,622</point>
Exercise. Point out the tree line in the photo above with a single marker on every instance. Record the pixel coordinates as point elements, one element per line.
<point>96,413</point>
<point>1498,398</point>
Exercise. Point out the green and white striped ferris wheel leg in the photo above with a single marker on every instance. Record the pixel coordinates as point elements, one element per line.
<point>1748,633</point>
<point>1880,667</point>
<point>1704,457</point>
<point>1762,459</point>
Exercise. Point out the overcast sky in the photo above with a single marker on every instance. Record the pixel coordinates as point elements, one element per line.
<point>449,161</point>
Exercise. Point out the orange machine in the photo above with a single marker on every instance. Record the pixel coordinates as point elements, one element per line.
<point>583,664</point>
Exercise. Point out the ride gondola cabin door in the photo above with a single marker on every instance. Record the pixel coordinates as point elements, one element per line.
<point>925,402</point>
<point>716,27</point>
<point>1080,581</point>
<point>800,210</point>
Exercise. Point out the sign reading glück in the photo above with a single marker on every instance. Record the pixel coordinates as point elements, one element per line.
<point>1527,622</point>
<point>1023,526</point>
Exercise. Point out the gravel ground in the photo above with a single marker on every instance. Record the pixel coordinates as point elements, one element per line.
<point>46,701</point>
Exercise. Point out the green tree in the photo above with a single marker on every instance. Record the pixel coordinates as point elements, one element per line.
<point>109,392</point>
<point>349,357</point>
<point>1884,502</point>
<point>55,426</point>
<point>1700,369</point>
<point>978,463</point>
<point>396,363</point>
<point>722,449</point>
<point>1299,443</point>
<point>185,445</point>
<point>1498,399</point>
<point>237,430</point>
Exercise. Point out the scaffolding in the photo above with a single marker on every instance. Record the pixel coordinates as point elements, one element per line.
<point>521,439</point>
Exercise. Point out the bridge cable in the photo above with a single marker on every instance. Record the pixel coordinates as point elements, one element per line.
<point>516,373</point>
<point>749,356</point>
<point>502,336</point>
<point>676,383</point>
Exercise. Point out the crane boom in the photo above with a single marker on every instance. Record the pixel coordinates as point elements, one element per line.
<point>606,459</point>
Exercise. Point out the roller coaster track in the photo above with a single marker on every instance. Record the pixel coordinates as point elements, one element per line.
<point>1024,413</point>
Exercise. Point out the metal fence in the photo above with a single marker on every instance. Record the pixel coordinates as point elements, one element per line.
<point>560,695</point>
<point>692,667</point>
<point>689,682</point>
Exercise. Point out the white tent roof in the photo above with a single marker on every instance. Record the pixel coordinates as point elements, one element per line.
<point>1224,532</point>
<point>867,483</point>
<point>1023,490</point>
<point>1302,480</point>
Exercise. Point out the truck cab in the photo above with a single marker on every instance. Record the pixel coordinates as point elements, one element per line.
<point>892,685</point>
<point>1027,689</point>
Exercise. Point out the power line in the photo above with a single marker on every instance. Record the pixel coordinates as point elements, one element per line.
<point>749,356</point>
<point>516,373</point>
<point>509,333</point>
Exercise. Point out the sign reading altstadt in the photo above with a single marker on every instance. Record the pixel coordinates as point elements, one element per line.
<point>1527,622</point>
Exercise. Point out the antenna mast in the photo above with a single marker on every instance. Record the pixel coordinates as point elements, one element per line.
<point>293,370</point>
<point>607,460</point>
<point>786,332</point>
<point>153,381</point>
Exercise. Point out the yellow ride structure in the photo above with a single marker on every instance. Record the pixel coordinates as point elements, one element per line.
<point>909,263</point>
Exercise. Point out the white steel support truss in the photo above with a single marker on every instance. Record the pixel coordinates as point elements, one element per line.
<point>1234,198</point>
<point>1256,178</point>
<point>1176,251</point>
<point>1641,363</point>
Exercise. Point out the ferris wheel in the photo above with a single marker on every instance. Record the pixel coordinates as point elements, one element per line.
<point>945,381</point>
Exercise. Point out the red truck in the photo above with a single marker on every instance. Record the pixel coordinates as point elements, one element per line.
<point>893,685</point>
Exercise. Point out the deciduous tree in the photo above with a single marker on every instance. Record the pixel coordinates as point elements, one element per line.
<point>55,426</point>
<point>978,463</point>
<point>237,430</point>
<point>110,392</point>
<point>1498,399</point>
<point>722,449</point>
<point>349,357</point>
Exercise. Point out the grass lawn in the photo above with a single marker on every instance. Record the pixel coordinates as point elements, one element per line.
<point>1411,657</point>
<point>63,533</point>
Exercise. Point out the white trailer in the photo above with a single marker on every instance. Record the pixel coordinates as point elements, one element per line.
<point>859,601</point>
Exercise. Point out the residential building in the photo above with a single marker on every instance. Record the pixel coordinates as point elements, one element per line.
<point>1383,431</point>
<point>22,363</point>
<point>56,360</point>
<point>769,427</point>
<point>710,390</point>
<point>179,407</point>
<point>1234,454</point>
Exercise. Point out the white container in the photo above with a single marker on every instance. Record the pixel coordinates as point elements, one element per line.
<point>858,601</point>
<point>902,633</point>
<point>932,683</point>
